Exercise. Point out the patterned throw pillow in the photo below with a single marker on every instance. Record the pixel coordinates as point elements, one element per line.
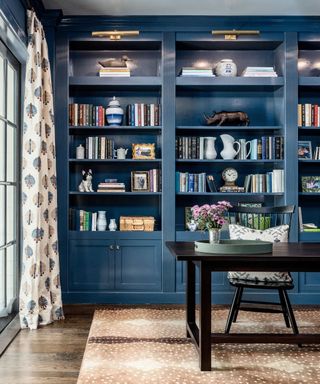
<point>275,235</point>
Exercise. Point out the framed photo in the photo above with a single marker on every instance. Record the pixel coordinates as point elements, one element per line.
<point>143,151</point>
<point>310,183</point>
<point>304,150</point>
<point>140,181</point>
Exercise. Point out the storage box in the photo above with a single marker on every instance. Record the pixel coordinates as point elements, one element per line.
<point>137,223</point>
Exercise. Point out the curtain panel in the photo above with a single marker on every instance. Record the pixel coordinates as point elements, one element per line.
<point>40,290</point>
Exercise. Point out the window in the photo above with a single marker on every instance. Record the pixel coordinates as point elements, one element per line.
<point>9,184</point>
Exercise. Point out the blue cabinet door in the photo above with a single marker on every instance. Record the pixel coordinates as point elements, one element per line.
<point>91,265</point>
<point>138,265</point>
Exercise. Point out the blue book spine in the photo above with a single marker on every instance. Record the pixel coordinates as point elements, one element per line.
<point>133,122</point>
<point>191,182</point>
<point>264,147</point>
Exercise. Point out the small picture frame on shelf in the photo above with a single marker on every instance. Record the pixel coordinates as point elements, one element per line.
<point>304,150</point>
<point>143,151</point>
<point>310,184</point>
<point>140,181</point>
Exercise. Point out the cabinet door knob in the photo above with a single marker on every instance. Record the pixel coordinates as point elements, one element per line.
<point>117,247</point>
<point>111,247</point>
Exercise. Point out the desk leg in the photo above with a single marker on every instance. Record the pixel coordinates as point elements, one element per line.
<point>191,294</point>
<point>205,317</point>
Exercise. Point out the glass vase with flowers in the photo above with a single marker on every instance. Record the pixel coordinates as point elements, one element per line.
<point>211,218</point>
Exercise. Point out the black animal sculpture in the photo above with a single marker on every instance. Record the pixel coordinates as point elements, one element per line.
<point>111,63</point>
<point>227,118</point>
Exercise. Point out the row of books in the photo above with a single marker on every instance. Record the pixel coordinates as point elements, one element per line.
<point>141,115</point>
<point>191,147</point>
<point>81,220</point>
<point>191,71</point>
<point>155,181</point>
<point>87,115</point>
<point>267,148</point>
<point>259,72</point>
<point>99,147</point>
<point>190,182</point>
<point>114,72</point>
<point>272,181</point>
<point>308,115</point>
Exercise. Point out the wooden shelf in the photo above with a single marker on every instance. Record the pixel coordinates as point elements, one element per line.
<point>230,194</point>
<point>114,161</point>
<point>241,128</point>
<point>119,130</point>
<point>79,235</point>
<point>309,161</point>
<point>309,194</point>
<point>229,161</point>
<point>310,81</point>
<point>309,236</point>
<point>234,83</point>
<point>76,193</point>
<point>116,83</point>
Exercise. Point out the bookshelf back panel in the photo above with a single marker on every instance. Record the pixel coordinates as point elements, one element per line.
<point>142,63</point>
<point>263,108</point>
<point>117,206</point>
<point>101,171</point>
<point>243,59</point>
<point>120,141</point>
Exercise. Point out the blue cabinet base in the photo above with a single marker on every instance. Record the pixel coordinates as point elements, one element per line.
<point>171,298</point>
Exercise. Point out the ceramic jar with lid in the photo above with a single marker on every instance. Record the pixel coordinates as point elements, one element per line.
<point>226,67</point>
<point>114,113</point>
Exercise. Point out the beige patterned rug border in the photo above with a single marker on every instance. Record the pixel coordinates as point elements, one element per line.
<point>138,344</point>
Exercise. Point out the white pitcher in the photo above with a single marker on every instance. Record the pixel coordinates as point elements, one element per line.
<point>228,151</point>
<point>244,149</point>
<point>210,152</point>
<point>120,153</point>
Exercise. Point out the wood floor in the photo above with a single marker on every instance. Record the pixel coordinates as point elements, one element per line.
<point>50,355</point>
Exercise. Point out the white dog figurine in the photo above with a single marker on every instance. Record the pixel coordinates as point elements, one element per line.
<point>86,183</point>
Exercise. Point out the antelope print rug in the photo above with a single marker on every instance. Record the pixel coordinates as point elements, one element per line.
<point>147,345</point>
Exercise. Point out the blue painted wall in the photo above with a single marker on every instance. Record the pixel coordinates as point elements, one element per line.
<point>15,13</point>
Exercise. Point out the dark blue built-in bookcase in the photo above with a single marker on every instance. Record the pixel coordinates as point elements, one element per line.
<point>136,267</point>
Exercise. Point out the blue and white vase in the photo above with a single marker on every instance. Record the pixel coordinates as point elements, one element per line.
<point>114,113</point>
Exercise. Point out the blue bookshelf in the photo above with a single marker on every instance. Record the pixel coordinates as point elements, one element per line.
<point>271,104</point>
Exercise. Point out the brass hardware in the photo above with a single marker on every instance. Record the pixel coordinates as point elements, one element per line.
<point>115,35</point>
<point>117,247</point>
<point>233,33</point>
<point>111,247</point>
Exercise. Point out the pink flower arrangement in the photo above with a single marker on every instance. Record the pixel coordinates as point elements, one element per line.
<point>210,216</point>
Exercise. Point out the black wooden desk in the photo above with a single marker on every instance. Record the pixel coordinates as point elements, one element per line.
<point>294,257</point>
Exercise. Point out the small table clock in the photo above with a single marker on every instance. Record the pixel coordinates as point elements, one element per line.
<point>230,176</point>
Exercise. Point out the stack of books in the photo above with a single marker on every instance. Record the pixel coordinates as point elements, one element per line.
<point>114,72</point>
<point>111,185</point>
<point>259,72</point>
<point>191,71</point>
<point>81,220</point>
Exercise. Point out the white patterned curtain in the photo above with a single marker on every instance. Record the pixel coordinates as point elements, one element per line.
<point>40,290</point>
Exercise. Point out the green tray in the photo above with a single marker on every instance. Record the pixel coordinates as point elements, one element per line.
<point>234,247</point>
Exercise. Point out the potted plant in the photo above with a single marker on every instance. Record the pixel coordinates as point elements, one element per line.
<point>211,218</point>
